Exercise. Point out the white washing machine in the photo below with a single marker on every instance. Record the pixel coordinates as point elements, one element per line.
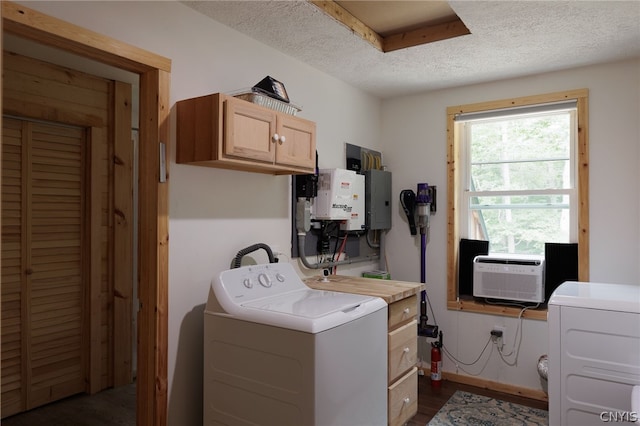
<point>594,353</point>
<point>279,353</point>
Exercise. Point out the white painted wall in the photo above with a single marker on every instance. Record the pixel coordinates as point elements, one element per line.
<point>415,127</point>
<point>214,213</point>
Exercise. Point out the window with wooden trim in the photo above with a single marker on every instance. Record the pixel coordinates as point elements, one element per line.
<point>517,178</point>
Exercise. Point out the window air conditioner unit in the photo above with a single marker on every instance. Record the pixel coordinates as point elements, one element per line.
<point>509,277</point>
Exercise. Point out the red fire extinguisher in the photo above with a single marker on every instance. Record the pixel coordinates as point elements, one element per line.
<point>436,363</point>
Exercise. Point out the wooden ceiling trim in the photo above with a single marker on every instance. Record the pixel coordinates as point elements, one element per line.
<point>400,40</point>
<point>345,17</point>
<point>427,34</point>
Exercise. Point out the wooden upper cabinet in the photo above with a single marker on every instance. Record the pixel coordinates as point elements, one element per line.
<point>222,131</point>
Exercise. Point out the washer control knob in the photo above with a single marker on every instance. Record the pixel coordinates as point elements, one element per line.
<point>264,280</point>
<point>247,283</point>
<point>280,277</point>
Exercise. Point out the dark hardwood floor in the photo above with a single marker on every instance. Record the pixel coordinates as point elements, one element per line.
<point>430,399</point>
<point>107,408</point>
<point>117,406</point>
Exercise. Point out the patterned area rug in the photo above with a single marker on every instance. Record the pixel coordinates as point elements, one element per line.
<point>464,408</point>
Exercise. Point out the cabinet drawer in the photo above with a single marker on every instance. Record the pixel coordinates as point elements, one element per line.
<point>403,349</point>
<point>402,311</point>
<point>403,398</point>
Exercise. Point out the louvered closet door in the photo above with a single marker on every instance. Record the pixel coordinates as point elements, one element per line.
<point>13,276</point>
<point>42,264</point>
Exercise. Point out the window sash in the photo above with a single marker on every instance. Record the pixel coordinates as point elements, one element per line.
<point>467,207</point>
<point>516,112</point>
<point>534,160</point>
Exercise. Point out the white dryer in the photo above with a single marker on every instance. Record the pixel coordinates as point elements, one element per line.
<point>279,353</point>
<point>594,353</point>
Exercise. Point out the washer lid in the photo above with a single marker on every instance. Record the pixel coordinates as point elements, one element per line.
<point>273,294</point>
<point>309,303</point>
<point>309,311</point>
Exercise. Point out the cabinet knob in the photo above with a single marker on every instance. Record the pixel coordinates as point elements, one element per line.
<point>282,140</point>
<point>407,400</point>
<point>275,138</point>
<point>407,310</point>
<point>406,350</point>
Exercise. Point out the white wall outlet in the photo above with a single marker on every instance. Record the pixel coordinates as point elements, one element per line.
<point>499,340</point>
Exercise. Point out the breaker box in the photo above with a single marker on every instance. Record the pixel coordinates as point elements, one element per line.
<point>378,199</point>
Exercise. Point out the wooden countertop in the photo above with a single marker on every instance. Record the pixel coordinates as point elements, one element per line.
<point>389,290</point>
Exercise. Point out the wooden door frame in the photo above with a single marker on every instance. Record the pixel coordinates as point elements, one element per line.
<point>153,214</point>
<point>108,134</point>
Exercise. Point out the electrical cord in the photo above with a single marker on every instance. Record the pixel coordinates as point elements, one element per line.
<point>458,362</point>
<point>489,301</point>
<point>517,341</point>
<point>433,314</point>
<point>335,249</point>
<point>515,349</point>
<point>337,236</point>
<point>375,243</point>
<point>339,252</point>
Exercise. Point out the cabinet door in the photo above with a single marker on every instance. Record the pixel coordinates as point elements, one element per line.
<point>296,145</point>
<point>249,131</point>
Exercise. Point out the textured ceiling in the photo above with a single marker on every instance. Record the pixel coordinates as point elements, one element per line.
<point>508,39</point>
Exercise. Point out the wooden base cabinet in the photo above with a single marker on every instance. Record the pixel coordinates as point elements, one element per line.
<point>222,131</point>
<point>402,373</point>
<point>403,357</point>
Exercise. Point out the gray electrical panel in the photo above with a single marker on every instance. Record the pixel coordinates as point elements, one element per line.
<point>377,199</point>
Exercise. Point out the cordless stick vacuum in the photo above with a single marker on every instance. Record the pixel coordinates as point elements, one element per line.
<point>410,201</point>
<point>423,202</point>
